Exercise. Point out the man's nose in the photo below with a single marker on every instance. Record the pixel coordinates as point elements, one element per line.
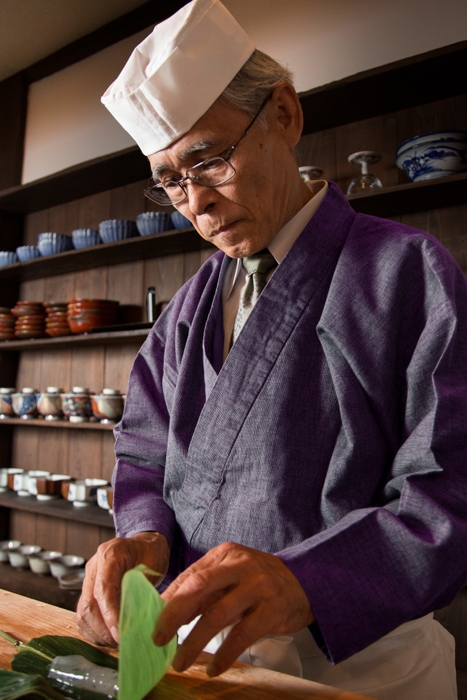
<point>199,197</point>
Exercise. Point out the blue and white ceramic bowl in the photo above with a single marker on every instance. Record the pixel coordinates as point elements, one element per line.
<point>432,155</point>
<point>85,237</point>
<point>153,222</point>
<point>7,257</point>
<point>53,243</point>
<point>113,230</point>
<point>27,252</point>
<point>180,221</point>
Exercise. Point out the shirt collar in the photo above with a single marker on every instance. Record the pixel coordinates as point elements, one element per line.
<point>288,234</point>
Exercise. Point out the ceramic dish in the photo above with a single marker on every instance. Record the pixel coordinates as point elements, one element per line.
<point>7,546</point>
<point>27,252</point>
<point>19,557</point>
<point>113,230</point>
<point>40,563</point>
<point>7,257</point>
<point>66,564</point>
<point>153,222</point>
<point>432,155</point>
<point>53,243</point>
<point>85,237</point>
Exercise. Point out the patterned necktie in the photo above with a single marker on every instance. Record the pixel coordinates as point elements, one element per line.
<point>257,267</point>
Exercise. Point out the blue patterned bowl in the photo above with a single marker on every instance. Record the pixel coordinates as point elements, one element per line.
<point>153,222</point>
<point>432,155</point>
<point>53,243</point>
<point>85,237</point>
<point>7,257</point>
<point>27,252</point>
<point>180,221</point>
<point>113,230</point>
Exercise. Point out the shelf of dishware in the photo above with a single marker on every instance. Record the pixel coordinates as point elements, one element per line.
<point>156,245</point>
<point>63,424</point>
<point>43,588</point>
<point>415,196</point>
<point>389,201</point>
<point>68,341</point>
<point>59,508</point>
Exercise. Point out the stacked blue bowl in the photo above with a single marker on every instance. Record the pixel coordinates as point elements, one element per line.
<point>180,221</point>
<point>27,252</point>
<point>85,237</point>
<point>153,222</point>
<point>7,257</point>
<point>53,243</point>
<point>113,230</point>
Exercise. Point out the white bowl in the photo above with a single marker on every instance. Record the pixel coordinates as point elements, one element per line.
<point>65,565</point>
<point>40,562</point>
<point>19,558</point>
<point>432,155</point>
<point>72,581</point>
<point>7,546</point>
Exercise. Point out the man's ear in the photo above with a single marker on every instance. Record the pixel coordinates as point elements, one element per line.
<point>285,112</point>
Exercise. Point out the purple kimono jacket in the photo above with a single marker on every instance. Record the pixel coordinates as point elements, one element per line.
<point>334,435</point>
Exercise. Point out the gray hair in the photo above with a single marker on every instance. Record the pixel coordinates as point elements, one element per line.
<point>254,82</point>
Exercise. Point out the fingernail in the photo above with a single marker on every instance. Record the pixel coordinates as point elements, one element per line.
<point>114,633</point>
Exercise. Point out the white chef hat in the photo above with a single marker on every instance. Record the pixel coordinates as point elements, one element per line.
<point>174,76</point>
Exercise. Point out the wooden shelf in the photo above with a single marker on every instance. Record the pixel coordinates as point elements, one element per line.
<point>43,588</point>
<point>64,424</point>
<point>415,196</point>
<point>137,248</point>
<point>69,341</point>
<point>418,80</point>
<point>91,515</point>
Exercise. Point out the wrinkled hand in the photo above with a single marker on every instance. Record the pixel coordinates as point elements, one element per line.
<point>99,604</point>
<point>231,585</point>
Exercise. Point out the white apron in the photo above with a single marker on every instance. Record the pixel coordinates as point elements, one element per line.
<point>413,662</point>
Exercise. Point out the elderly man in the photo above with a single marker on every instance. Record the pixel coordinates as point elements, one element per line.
<point>292,454</point>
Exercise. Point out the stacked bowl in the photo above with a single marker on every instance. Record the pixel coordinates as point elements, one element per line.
<point>113,230</point>
<point>7,257</point>
<point>30,319</point>
<point>56,322</point>
<point>53,243</point>
<point>85,237</point>
<point>153,222</point>
<point>27,252</point>
<point>84,314</point>
<point>7,324</point>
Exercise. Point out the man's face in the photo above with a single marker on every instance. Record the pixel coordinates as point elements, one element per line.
<point>243,215</point>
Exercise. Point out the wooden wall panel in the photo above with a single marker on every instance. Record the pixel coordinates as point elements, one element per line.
<point>165,274</point>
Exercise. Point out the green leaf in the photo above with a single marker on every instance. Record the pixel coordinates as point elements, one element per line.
<point>50,646</point>
<point>20,685</point>
<point>142,663</point>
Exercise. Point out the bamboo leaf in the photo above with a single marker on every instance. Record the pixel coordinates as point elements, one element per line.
<point>142,664</point>
<point>20,685</point>
<point>28,661</point>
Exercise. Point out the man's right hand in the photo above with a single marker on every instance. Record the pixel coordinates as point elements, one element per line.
<point>99,604</point>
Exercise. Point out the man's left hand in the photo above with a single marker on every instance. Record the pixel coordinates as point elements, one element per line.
<point>231,585</point>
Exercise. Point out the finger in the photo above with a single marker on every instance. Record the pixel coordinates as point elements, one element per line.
<point>246,632</point>
<point>198,591</point>
<point>220,615</point>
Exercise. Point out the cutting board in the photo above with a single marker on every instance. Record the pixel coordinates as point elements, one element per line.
<point>25,618</point>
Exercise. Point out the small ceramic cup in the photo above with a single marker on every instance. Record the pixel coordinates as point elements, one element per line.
<point>6,409</point>
<point>49,403</point>
<point>24,403</point>
<point>83,492</point>
<point>20,483</point>
<point>105,497</point>
<point>65,564</point>
<point>11,471</point>
<point>76,405</point>
<point>108,406</point>
<point>31,481</point>
<point>7,546</point>
<point>40,563</point>
<point>49,487</point>
<point>19,558</point>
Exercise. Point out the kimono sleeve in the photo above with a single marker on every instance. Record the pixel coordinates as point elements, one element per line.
<point>140,449</point>
<point>405,554</point>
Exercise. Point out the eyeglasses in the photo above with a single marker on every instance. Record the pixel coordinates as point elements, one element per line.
<point>210,172</point>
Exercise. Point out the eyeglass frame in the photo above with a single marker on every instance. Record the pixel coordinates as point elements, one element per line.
<point>225,155</point>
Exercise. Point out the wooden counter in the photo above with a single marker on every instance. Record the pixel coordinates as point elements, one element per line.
<point>25,618</point>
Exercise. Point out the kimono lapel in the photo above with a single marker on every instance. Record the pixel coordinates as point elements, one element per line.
<point>309,264</point>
